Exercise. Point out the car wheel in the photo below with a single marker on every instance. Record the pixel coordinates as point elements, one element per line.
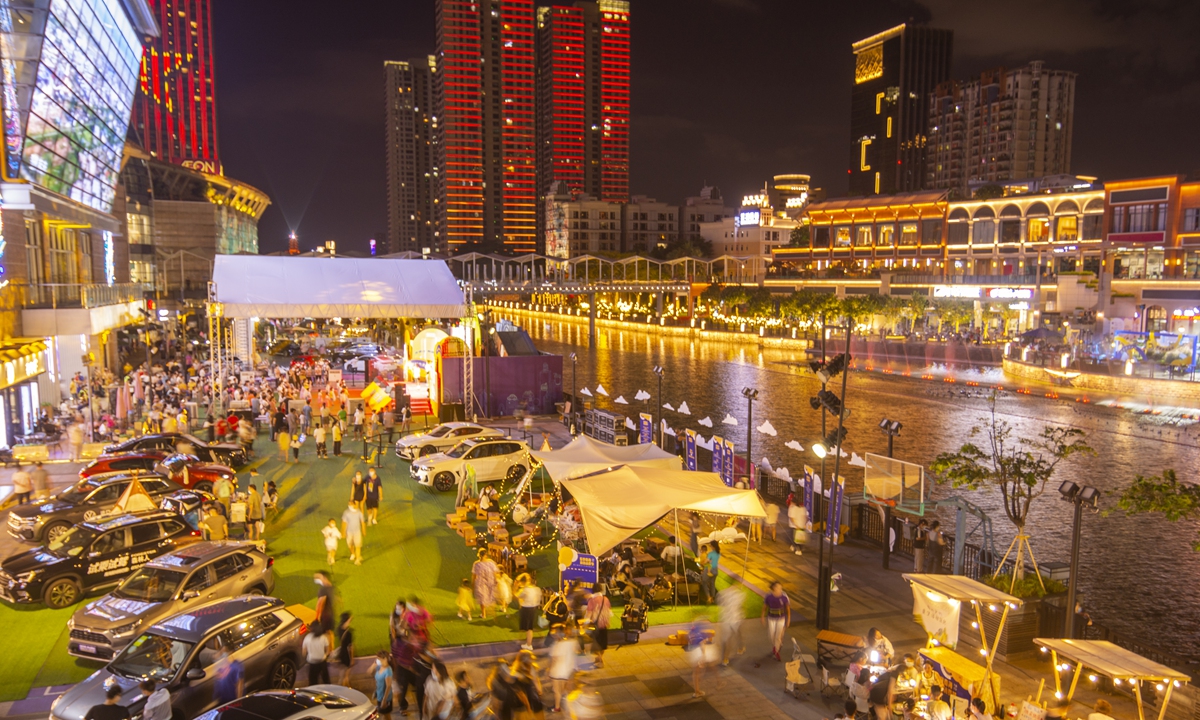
<point>61,593</point>
<point>204,486</point>
<point>283,674</point>
<point>428,450</point>
<point>443,481</point>
<point>54,531</point>
<point>516,472</point>
<point>256,590</point>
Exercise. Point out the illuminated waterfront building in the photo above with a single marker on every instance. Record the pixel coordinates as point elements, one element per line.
<point>894,72</point>
<point>411,155</point>
<point>175,113</point>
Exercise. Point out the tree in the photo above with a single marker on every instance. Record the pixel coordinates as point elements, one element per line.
<point>892,310</point>
<point>1162,494</point>
<point>918,307</point>
<point>989,192</point>
<point>1019,468</point>
<point>760,303</point>
<point>800,237</point>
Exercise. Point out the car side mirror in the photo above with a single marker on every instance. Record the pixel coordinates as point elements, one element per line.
<point>189,595</point>
<point>195,674</point>
<point>93,554</point>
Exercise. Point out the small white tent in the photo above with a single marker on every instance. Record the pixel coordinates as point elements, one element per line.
<point>583,455</point>
<point>617,503</point>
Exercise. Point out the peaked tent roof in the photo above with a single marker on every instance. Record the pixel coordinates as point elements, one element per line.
<point>327,287</point>
<point>584,455</point>
<point>617,503</point>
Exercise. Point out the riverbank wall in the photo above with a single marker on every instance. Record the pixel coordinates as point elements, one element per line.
<point>1174,392</point>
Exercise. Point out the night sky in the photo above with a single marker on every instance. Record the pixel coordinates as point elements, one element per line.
<point>725,92</point>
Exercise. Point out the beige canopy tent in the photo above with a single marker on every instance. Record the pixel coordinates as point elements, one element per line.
<point>1113,661</point>
<point>963,589</point>
<point>618,502</point>
<point>584,455</point>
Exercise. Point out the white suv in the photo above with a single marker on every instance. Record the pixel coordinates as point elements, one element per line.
<point>493,459</point>
<point>441,438</point>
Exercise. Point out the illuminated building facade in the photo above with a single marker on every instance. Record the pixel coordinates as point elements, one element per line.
<point>1005,125</point>
<point>894,73</point>
<point>412,156</point>
<point>175,114</point>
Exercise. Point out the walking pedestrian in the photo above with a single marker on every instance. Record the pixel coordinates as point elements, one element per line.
<point>359,415</point>
<point>157,701</point>
<point>920,537</point>
<point>297,441</point>
<point>75,439</point>
<point>694,539</point>
<point>798,520</point>
<point>731,611</point>
<point>382,674</point>
<point>325,598</point>
<point>223,489</point>
<point>466,600</point>
<point>254,513</point>
<point>215,526</point>
<point>529,598</point>
<point>336,433</point>
<point>373,494</point>
<point>319,439</point>
<point>110,709</point>
<point>528,682</point>
<point>331,535</point>
<point>357,490</point>
<point>563,658</point>
<point>935,547</point>
<point>440,692</point>
<point>483,579</point>
<point>22,484</point>
<point>712,562</point>
<point>345,649</point>
<point>700,651</point>
<point>599,615</point>
<point>41,481</point>
<point>389,424</point>
<point>229,678</point>
<point>776,615</point>
<point>316,654</point>
<point>353,528</point>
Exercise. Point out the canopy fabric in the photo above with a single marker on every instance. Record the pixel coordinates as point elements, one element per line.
<point>618,502</point>
<point>963,589</point>
<point>316,287</point>
<point>585,455</point>
<point>1111,660</point>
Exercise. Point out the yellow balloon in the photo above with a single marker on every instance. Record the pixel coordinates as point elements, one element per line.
<point>566,556</point>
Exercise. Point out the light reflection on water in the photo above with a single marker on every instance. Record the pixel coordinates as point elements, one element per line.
<point>1136,575</point>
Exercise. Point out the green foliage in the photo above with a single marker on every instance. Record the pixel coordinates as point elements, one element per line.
<point>734,296</point>
<point>712,294</point>
<point>1162,494</point>
<point>989,192</point>
<point>1025,587</point>
<point>760,302</point>
<point>861,307</point>
<point>800,237</point>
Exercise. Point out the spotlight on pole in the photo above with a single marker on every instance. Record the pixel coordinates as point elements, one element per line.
<point>819,450</point>
<point>1080,496</point>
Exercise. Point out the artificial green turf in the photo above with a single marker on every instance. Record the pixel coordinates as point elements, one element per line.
<point>31,634</point>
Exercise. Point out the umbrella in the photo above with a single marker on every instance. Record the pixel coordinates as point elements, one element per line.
<point>1041,334</point>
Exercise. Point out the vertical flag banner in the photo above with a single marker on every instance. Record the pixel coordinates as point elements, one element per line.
<point>808,491</point>
<point>718,449</point>
<point>645,428</point>
<point>728,456</point>
<point>689,448</point>
<point>834,516</point>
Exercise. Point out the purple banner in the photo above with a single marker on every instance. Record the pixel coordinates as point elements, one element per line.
<point>728,456</point>
<point>834,516</point>
<point>689,449</point>
<point>645,429</point>
<point>808,491</point>
<point>718,449</point>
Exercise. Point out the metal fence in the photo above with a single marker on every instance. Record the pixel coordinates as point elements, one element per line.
<point>81,295</point>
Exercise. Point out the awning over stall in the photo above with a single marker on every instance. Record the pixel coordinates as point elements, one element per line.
<point>584,455</point>
<point>282,286</point>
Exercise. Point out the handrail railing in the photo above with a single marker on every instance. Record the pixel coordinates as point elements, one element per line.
<point>80,295</point>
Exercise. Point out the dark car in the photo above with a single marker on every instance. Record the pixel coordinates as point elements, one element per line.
<point>181,652</point>
<point>230,454</point>
<point>184,470</point>
<point>86,500</point>
<point>92,556</point>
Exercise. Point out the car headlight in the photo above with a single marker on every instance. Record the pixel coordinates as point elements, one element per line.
<point>126,629</point>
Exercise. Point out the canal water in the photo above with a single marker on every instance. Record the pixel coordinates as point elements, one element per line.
<point>1137,575</point>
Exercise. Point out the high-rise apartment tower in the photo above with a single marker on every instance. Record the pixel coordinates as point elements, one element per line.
<point>412,156</point>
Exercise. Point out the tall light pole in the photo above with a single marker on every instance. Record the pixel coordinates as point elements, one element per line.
<point>751,395</point>
<point>891,428</point>
<point>574,394</point>
<point>1082,496</point>
<point>658,411</point>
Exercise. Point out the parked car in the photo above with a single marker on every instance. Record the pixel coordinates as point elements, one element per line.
<point>87,500</point>
<point>92,556</point>
<point>493,459</point>
<point>315,701</point>
<point>230,454</point>
<point>187,471</point>
<point>441,438</point>
<point>175,582</point>
<point>180,653</point>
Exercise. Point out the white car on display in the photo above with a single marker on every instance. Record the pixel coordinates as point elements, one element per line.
<point>494,458</point>
<point>315,702</point>
<point>441,438</point>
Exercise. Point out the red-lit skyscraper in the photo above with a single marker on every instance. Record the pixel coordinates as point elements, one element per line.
<point>583,98</point>
<point>174,113</point>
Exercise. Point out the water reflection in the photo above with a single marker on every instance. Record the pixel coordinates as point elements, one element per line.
<point>1133,570</point>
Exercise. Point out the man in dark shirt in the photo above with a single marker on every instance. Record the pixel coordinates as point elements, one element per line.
<point>110,709</point>
<point>325,597</point>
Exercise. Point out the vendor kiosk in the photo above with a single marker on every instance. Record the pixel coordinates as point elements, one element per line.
<point>1122,666</point>
<point>937,605</point>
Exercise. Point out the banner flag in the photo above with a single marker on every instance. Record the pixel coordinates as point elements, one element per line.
<point>689,449</point>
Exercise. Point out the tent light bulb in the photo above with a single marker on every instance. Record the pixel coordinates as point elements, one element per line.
<point>1159,687</point>
<point>983,651</point>
<point>1093,678</point>
<point>1058,695</point>
<point>1116,681</point>
<point>974,625</point>
<point>992,608</point>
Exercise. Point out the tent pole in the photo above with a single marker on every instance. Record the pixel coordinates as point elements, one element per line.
<point>1137,693</point>
<point>1162,711</point>
<point>677,559</point>
<point>746,558</point>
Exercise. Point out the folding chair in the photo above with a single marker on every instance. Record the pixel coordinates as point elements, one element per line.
<point>795,679</point>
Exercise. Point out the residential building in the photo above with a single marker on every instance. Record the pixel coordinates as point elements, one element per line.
<point>649,224</point>
<point>894,72</point>
<point>175,113</point>
<point>752,232</point>
<point>485,104</point>
<point>1005,125</point>
<point>412,156</point>
<point>583,225</point>
<point>707,207</point>
<point>583,98</point>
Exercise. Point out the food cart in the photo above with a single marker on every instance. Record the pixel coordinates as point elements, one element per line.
<point>1102,657</point>
<point>937,604</point>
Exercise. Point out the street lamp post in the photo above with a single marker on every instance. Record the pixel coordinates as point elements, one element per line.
<point>891,428</point>
<point>750,394</point>
<point>574,394</point>
<point>1080,496</point>
<point>658,411</point>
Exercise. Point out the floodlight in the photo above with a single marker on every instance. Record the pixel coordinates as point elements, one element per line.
<point>1068,490</point>
<point>819,450</point>
<point>1089,496</point>
<point>749,393</point>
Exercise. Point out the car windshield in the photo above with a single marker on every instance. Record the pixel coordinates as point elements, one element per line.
<point>459,450</point>
<point>439,431</point>
<point>151,657</point>
<point>150,585</point>
<point>72,542</point>
<point>78,492</point>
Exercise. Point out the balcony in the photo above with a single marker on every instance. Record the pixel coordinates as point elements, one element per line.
<point>54,309</point>
<point>80,295</point>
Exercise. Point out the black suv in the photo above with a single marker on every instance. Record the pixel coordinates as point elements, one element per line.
<point>91,556</point>
<point>230,454</point>
<point>87,500</point>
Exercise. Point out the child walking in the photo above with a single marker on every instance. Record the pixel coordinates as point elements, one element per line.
<point>332,535</point>
<point>466,599</point>
<point>319,437</point>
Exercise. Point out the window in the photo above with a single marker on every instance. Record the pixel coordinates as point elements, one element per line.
<point>1191,219</point>
<point>841,236</point>
<point>1093,227</point>
<point>957,233</point>
<point>145,533</point>
<point>243,633</point>
<point>1147,217</point>
<point>908,234</point>
<point>862,236</point>
<point>1010,231</point>
<point>226,567</point>
<point>931,232</point>
<point>170,527</point>
<point>108,493</point>
<point>821,236</point>
<point>1066,229</point>
<point>984,232</point>
<point>1037,230</point>
<point>155,486</point>
<point>110,542</point>
<point>887,234</point>
<point>35,252</point>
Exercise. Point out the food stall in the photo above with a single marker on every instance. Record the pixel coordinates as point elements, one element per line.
<point>1122,666</point>
<point>937,605</point>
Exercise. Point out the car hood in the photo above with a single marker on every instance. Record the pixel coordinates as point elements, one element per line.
<point>75,703</point>
<point>112,611</point>
<point>435,459</point>
<point>49,507</point>
<point>37,558</point>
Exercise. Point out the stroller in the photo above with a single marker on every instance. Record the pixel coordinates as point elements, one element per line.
<point>633,621</point>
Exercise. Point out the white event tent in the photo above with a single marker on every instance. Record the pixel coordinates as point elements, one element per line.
<point>617,503</point>
<point>328,287</point>
<point>584,455</point>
